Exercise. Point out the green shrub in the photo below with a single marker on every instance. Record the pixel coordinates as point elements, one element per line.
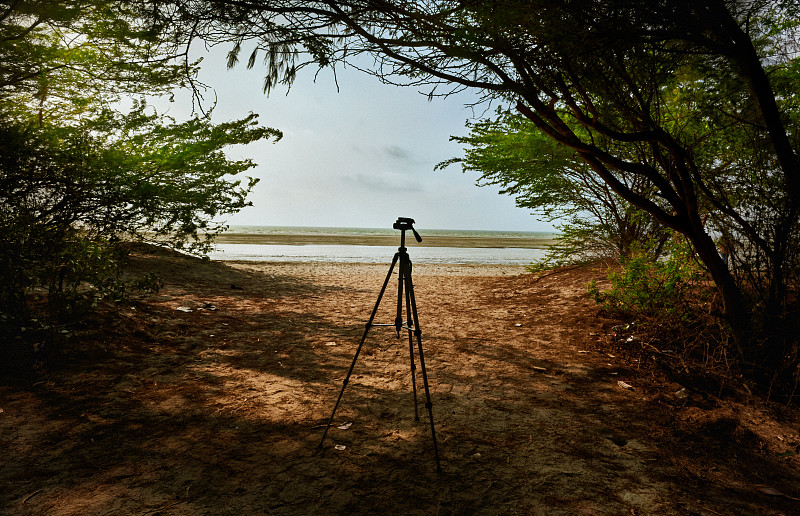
<point>50,279</point>
<point>648,287</point>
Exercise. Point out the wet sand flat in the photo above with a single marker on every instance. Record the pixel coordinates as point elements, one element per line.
<point>384,240</point>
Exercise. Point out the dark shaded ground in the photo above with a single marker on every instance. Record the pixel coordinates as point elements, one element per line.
<point>220,411</point>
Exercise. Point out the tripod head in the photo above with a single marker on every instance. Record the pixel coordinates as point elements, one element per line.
<point>404,224</point>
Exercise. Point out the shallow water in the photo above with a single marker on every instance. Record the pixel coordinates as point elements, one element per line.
<point>375,254</point>
<point>370,245</point>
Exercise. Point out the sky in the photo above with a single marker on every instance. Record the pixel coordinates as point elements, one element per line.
<point>357,157</point>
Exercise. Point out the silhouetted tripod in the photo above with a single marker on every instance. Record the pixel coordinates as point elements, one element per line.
<point>404,286</point>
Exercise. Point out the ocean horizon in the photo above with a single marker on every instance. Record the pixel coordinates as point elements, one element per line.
<point>377,245</point>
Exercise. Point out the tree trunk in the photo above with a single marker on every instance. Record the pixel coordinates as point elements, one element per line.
<point>735,306</point>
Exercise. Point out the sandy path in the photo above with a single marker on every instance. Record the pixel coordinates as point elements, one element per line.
<point>219,411</point>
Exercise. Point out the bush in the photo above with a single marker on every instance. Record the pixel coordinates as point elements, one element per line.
<point>69,193</point>
<point>645,287</point>
<point>49,281</point>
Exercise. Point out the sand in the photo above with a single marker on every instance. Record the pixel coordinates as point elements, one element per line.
<point>220,409</point>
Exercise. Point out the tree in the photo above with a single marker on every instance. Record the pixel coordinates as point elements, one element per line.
<point>77,175</point>
<point>551,179</point>
<point>63,59</point>
<point>599,77</point>
<point>110,178</point>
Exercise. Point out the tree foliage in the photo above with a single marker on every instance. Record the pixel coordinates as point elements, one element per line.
<point>552,180</point>
<point>62,59</point>
<point>78,175</point>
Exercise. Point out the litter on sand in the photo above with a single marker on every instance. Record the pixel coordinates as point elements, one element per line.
<point>624,385</point>
<point>184,309</point>
<point>340,447</point>
<point>344,426</point>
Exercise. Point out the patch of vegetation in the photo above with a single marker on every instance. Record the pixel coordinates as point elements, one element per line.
<point>644,287</point>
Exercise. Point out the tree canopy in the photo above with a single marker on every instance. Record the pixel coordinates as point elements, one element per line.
<point>551,180</point>
<point>686,110</point>
<point>65,58</point>
<point>693,101</point>
<point>79,172</point>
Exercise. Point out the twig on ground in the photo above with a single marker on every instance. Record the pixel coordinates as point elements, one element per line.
<point>30,496</point>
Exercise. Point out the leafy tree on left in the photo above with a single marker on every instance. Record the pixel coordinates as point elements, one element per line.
<point>77,175</point>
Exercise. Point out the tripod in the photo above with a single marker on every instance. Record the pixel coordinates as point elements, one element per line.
<point>405,286</point>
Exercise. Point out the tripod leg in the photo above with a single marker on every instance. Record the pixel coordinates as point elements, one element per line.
<point>358,350</point>
<point>418,334</point>
<point>411,353</point>
<point>398,320</point>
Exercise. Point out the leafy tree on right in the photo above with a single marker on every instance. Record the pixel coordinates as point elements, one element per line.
<point>556,184</point>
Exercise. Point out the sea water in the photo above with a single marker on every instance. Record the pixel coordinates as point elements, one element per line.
<point>375,245</point>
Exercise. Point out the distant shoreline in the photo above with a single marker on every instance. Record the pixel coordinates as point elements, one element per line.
<point>384,240</point>
<point>375,245</point>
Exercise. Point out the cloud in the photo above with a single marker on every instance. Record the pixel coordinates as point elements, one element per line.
<point>396,154</point>
<point>385,182</point>
<point>399,153</point>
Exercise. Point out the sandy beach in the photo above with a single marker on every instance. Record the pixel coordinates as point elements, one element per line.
<point>210,397</point>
